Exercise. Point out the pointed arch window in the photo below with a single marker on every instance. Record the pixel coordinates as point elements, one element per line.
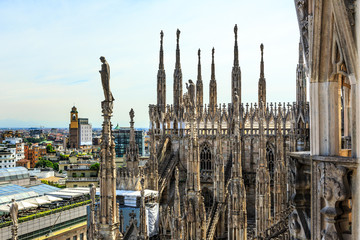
<point>271,167</point>
<point>205,158</point>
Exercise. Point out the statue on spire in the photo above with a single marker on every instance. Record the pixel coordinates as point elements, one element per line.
<point>177,36</point>
<point>161,37</point>
<point>235,31</point>
<point>105,79</point>
<point>132,115</point>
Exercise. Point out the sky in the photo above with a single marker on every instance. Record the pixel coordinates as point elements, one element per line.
<point>50,54</point>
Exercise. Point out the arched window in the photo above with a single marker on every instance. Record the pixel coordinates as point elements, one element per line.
<point>205,158</point>
<point>270,162</point>
<point>271,167</point>
<point>208,198</point>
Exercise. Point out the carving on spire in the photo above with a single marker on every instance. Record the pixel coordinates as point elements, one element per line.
<point>177,91</point>
<point>262,82</point>
<point>161,62</point>
<point>177,64</point>
<point>132,133</point>
<point>236,72</point>
<point>199,78</point>
<point>161,78</point>
<point>213,65</point>
<point>236,52</point>
<point>213,88</point>
<point>300,80</point>
<point>262,61</point>
<point>108,220</point>
<point>199,85</point>
<point>132,151</point>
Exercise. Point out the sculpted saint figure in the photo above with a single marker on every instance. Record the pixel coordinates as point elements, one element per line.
<point>105,79</point>
<point>191,92</point>
<point>14,209</point>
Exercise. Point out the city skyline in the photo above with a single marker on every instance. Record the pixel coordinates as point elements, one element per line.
<point>51,54</point>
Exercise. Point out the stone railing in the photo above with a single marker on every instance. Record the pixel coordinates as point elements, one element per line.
<point>82,179</point>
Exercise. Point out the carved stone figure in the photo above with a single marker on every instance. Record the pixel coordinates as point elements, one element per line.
<point>105,79</point>
<point>191,92</point>
<point>14,209</point>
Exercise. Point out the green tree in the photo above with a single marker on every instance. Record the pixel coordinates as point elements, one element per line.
<point>64,157</point>
<point>42,163</point>
<point>56,166</point>
<point>95,166</point>
<point>50,149</point>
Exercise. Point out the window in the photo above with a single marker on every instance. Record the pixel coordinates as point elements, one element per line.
<point>271,167</point>
<point>205,158</point>
<point>81,236</point>
<point>74,237</point>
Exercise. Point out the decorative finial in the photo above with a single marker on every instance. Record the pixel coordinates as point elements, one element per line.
<point>262,61</point>
<point>199,65</point>
<point>161,37</point>
<point>177,35</point>
<point>235,31</point>
<point>213,65</point>
<point>131,113</point>
<point>161,61</point>
<point>236,51</point>
<point>177,62</point>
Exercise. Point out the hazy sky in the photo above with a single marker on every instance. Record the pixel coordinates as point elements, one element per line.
<point>50,54</point>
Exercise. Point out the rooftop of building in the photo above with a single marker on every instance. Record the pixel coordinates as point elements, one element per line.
<point>13,173</point>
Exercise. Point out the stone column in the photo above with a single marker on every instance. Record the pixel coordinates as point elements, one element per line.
<point>325,121</point>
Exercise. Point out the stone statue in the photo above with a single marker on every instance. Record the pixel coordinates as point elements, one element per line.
<point>14,209</point>
<point>92,192</point>
<point>105,79</point>
<point>236,103</point>
<point>191,92</point>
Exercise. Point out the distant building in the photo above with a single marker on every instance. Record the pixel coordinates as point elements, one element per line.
<point>80,131</point>
<point>7,158</point>
<point>85,132</point>
<point>33,154</point>
<point>81,176</point>
<point>74,129</point>
<point>23,163</point>
<point>122,137</point>
<point>36,133</point>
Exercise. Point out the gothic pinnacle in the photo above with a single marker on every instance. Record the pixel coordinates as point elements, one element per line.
<point>213,65</point>
<point>199,66</point>
<point>262,61</point>
<point>236,51</point>
<point>161,62</point>
<point>177,64</point>
<point>132,133</point>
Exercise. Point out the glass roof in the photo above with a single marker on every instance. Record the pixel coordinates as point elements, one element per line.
<point>43,188</point>
<point>14,173</point>
<point>18,196</point>
<point>9,189</point>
